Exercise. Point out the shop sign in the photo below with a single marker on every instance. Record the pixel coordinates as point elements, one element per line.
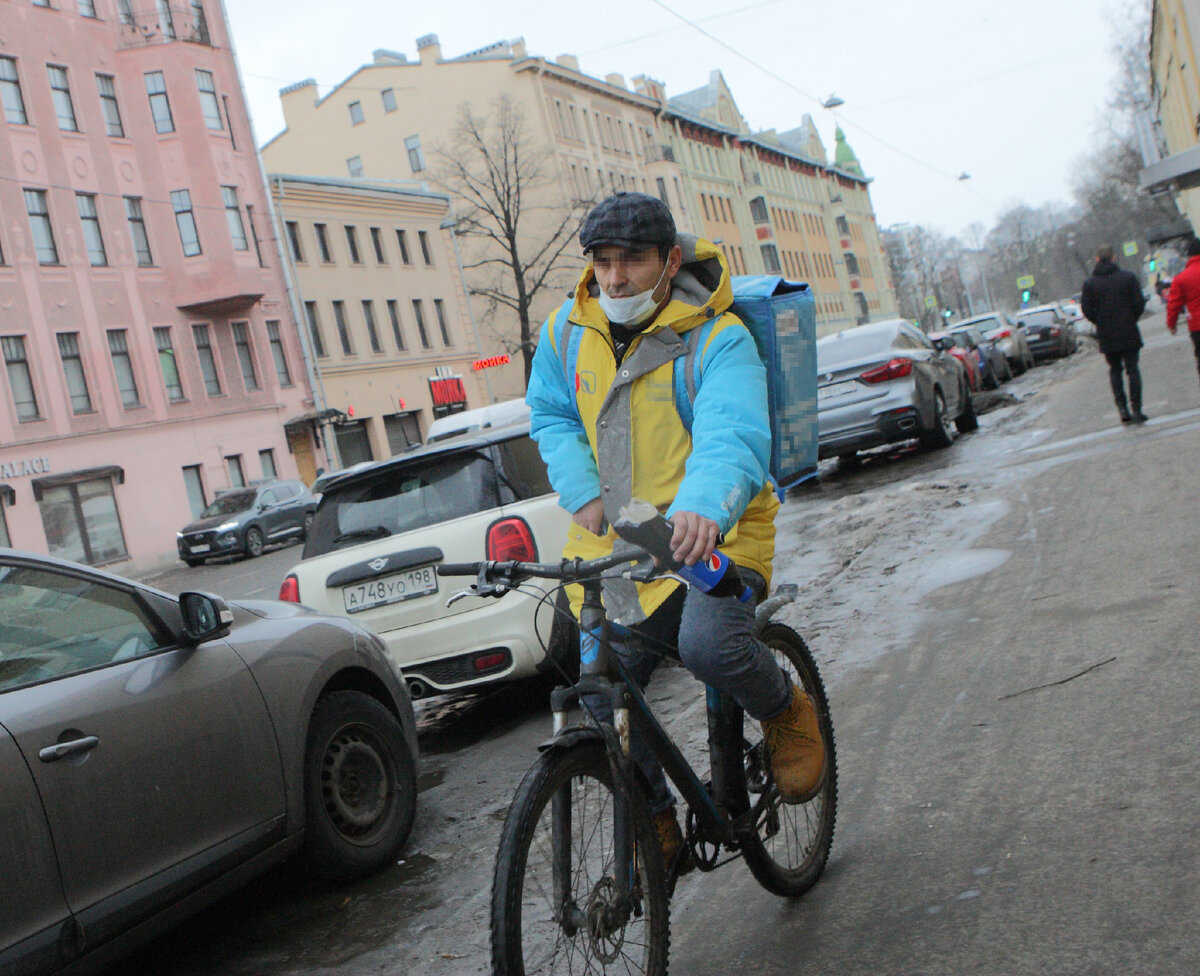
<point>22,469</point>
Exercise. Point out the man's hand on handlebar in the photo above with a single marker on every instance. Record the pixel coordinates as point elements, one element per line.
<point>695,537</point>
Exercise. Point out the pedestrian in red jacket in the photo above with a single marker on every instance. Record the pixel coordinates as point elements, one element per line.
<point>1185,293</point>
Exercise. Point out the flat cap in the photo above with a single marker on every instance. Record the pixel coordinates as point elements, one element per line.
<point>635,220</point>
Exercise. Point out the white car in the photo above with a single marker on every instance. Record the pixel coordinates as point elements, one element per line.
<point>379,531</point>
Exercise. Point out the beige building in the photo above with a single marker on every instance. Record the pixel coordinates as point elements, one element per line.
<point>379,288</point>
<point>773,202</point>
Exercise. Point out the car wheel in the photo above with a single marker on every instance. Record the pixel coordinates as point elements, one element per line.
<point>1030,362</point>
<point>254,542</point>
<point>1018,368</point>
<point>360,786</point>
<point>193,563</point>
<point>1008,373</point>
<point>940,434</point>
<point>308,521</point>
<point>967,421</point>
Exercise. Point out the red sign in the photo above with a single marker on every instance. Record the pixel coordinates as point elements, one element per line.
<point>492,361</point>
<point>447,390</point>
<point>763,233</point>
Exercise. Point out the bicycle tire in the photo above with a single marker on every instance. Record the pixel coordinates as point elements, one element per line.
<point>788,852</point>
<point>529,937</point>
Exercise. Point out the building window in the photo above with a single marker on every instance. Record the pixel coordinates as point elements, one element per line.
<point>241,342</point>
<point>426,253</point>
<point>356,113</point>
<point>200,24</point>
<point>233,217</point>
<point>254,236</point>
<point>108,105</point>
<point>92,238</point>
<point>194,485</point>
<point>323,243</point>
<point>662,188</point>
<point>167,362</point>
<point>339,316</point>
<point>208,362</point>
<point>137,230</point>
<point>266,460</point>
<point>237,477</point>
<point>394,314</point>
<point>10,93</point>
<point>60,89</point>
<point>402,241</point>
<point>352,245</point>
<point>389,100</point>
<point>208,99</point>
<point>403,431</point>
<point>368,308</point>
<point>39,223</point>
<point>355,166</point>
<point>416,158</point>
<point>314,329</point>
<point>282,373</point>
<point>419,315</point>
<point>851,263</point>
<point>125,12</point>
<point>160,107</point>
<point>843,225</point>
<point>118,347</point>
<point>72,363</point>
<point>758,210</point>
<point>440,308</point>
<point>293,236</point>
<point>20,379</point>
<point>166,22</point>
<point>185,220</point>
<point>377,243</point>
<point>771,259</point>
<point>81,522</point>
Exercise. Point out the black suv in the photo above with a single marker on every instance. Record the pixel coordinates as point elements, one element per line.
<point>244,520</point>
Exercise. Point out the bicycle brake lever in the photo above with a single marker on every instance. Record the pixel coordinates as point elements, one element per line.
<point>469,591</point>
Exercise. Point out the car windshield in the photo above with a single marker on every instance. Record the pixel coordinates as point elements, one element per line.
<point>400,499</point>
<point>852,345</point>
<point>1045,317</point>
<point>231,504</point>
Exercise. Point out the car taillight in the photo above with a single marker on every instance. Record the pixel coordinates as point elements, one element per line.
<point>511,538</point>
<point>1002,334</point>
<point>289,590</point>
<point>1053,330</point>
<point>892,370</point>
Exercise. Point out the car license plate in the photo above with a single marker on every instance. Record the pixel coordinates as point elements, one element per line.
<point>835,389</point>
<point>203,548</point>
<point>389,589</point>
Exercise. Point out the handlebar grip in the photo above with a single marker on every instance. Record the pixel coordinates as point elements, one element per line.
<point>458,569</point>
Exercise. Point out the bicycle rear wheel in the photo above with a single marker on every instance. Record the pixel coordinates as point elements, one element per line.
<point>582,928</point>
<point>788,852</point>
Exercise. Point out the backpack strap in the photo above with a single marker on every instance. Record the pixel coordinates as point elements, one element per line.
<point>687,372</point>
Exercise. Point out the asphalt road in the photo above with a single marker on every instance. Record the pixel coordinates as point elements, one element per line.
<point>1010,651</point>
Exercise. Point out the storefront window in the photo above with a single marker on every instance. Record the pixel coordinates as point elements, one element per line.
<point>82,523</point>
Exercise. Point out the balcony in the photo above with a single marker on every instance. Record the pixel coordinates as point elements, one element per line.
<point>164,24</point>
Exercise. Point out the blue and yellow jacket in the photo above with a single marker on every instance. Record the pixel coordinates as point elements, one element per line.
<point>682,422</point>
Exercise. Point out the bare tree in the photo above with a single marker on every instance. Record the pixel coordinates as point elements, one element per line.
<point>507,201</point>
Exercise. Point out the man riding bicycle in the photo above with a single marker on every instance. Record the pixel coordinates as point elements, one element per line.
<point>616,416</point>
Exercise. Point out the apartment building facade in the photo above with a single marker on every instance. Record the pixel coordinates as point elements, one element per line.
<point>377,277</point>
<point>150,356</point>
<point>773,203</point>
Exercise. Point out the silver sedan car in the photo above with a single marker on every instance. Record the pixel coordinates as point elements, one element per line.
<point>885,382</point>
<point>157,751</point>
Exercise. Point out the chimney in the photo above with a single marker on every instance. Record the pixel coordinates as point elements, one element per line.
<point>616,80</point>
<point>429,49</point>
<point>298,98</point>
<point>567,61</point>
<point>518,49</point>
<point>384,56</point>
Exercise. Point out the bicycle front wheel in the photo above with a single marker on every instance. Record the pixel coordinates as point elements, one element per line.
<point>574,920</point>
<point>787,854</point>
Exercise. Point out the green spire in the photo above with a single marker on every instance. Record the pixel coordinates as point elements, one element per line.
<point>843,156</point>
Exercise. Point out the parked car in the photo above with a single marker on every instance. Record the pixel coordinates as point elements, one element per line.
<point>380,531</point>
<point>970,361</point>
<point>158,751</point>
<point>494,415</point>
<point>245,520</point>
<point>1072,310</point>
<point>885,382</point>
<point>1050,335</point>
<point>993,365</point>
<point>999,329</point>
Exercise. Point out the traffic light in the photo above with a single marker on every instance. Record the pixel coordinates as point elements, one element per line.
<point>1024,294</point>
<point>1153,264</point>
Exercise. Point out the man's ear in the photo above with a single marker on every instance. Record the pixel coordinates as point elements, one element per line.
<point>674,260</point>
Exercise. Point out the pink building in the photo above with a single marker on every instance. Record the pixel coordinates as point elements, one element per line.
<point>149,350</point>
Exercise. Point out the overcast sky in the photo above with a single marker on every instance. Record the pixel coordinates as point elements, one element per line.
<point>1010,91</point>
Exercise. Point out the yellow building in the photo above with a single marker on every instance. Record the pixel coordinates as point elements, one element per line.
<point>773,202</point>
<point>378,286</point>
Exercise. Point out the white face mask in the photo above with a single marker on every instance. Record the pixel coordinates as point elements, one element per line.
<point>633,310</point>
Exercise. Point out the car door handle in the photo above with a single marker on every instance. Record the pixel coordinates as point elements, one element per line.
<point>62,750</point>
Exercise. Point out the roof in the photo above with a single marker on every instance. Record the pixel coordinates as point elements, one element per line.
<point>401,187</point>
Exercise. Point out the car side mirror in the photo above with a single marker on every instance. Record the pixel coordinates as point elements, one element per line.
<point>205,617</point>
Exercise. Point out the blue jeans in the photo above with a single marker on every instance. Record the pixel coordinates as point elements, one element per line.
<point>717,645</point>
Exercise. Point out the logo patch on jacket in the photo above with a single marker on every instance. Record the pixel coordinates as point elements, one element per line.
<point>585,381</point>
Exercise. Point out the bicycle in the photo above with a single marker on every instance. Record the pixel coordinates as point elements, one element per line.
<point>580,884</point>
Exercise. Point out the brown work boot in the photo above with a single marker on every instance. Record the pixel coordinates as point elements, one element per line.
<point>797,753</point>
<point>670,838</point>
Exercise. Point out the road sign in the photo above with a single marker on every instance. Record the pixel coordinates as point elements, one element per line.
<point>1025,281</point>
<point>930,301</point>
<point>1130,248</point>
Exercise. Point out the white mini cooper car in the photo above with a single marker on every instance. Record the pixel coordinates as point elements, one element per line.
<point>380,530</point>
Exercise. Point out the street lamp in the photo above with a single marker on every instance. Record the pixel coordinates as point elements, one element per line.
<point>833,101</point>
<point>964,175</point>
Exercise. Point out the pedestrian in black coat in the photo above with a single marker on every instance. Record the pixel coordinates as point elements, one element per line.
<point>1112,300</point>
